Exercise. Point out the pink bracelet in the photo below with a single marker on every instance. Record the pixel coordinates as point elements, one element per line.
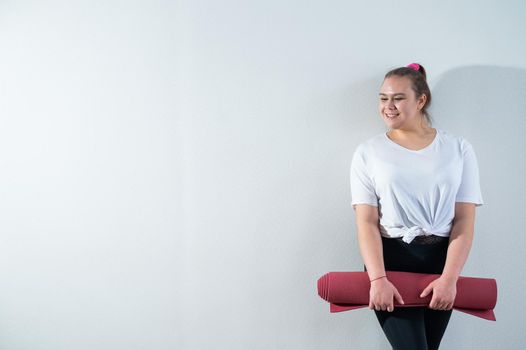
<point>377,278</point>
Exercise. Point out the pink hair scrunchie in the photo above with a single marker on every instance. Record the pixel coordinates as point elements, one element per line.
<point>414,66</point>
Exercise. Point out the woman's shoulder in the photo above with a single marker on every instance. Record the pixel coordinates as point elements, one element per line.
<point>459,141</point>
<point>370,143</point>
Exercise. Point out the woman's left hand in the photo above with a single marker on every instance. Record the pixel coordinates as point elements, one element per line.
<point>444,291</point>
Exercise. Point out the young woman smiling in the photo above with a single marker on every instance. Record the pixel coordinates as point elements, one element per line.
<point>414,191</point>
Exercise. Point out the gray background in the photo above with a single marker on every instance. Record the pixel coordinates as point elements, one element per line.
<point>175,175</point>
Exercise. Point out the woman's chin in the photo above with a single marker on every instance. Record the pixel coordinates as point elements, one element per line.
<point>390,122</point>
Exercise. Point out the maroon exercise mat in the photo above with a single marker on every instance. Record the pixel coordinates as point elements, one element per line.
<point>350,290</point>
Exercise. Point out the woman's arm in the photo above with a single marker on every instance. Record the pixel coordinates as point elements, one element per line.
<point>444,288</point>
<point>382,292</point>
<point>460,240</point>
<point>369,239</point>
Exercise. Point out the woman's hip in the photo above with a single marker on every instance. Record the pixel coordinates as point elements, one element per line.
<point>423,255</point>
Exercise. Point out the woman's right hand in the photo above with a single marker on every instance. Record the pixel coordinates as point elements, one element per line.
<point>381,295</point>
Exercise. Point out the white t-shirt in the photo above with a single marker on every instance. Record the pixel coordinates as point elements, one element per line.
<point>415,191</point>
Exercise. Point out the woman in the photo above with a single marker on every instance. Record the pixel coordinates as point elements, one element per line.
<point>414,191</point>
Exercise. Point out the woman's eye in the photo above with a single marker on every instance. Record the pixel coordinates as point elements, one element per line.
<point>396,99</point>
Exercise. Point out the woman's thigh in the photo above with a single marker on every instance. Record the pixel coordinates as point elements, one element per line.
<point>404,327</point>
<point>436,322</point>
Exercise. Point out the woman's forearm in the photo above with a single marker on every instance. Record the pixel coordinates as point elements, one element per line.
<point>460,241</point>
<point>371,249</point>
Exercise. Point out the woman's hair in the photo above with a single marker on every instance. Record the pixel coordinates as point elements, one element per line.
<point>418,84</point>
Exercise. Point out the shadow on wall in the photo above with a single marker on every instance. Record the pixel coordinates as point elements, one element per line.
<point>487,103</point>
<point>487,106</point>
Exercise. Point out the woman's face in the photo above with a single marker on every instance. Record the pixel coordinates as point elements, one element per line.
<point>398,105</point>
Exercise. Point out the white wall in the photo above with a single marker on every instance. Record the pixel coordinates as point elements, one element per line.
<point>90,194</point>
<point>175,174</point>
<point>277,97</point>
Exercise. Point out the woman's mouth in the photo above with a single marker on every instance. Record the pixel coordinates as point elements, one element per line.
<point>392,116</point>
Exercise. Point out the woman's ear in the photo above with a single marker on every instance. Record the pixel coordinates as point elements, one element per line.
<point>422,101</point>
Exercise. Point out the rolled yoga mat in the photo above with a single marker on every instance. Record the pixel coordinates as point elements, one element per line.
<point>350,290</point>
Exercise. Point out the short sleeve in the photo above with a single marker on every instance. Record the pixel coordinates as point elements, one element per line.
<point>469,189</point>
<point>362,188</point>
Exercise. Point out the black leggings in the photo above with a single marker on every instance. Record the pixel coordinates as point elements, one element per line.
<point>415,328</point>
